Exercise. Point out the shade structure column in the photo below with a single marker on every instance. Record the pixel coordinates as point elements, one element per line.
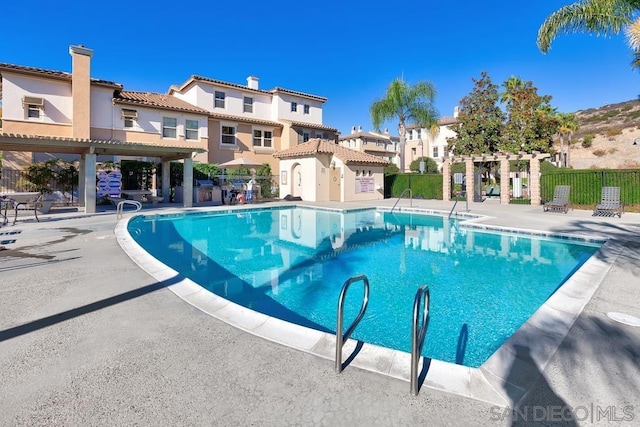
<point>446,180</point>
<point>166,181</point>
<point>187,183</point>
<point>89,183</point>
<point>81,169</point>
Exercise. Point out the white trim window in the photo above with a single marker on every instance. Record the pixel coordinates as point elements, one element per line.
<point>435,152</point>
<point>319,135</point>
<point>129,117</point>
<point>34,107</point>
<point>305,136</point>
<point>306,109</point>
<point>169,127</point>
<point>191,130</point>
<point>247,104</point>
<point>262,138</point>
<point>227,134</point>
<point>219,99</point>
<point>294,107</point>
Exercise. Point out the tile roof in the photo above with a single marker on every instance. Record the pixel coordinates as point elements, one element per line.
<point>309,125</point>
<point>293,92</point>
<point>443,121</point>
<point>156,100</point>
<point>244,119</point>
<point>370,135</point>
<point>322,146</point>
<point>273,91</point>
<point>61,75</point>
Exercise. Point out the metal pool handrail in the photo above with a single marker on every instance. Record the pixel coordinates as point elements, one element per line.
<point>418,333</point>
<point>121,204</point>
<point>340,338</point>
<point>402,194</point>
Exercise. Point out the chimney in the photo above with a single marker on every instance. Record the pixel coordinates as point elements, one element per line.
<point>81,91</point>
<point>353,129</point>
<point>386,131</point>
<point>252,82</point>
<point>360,128</point>
<point>456,111</point>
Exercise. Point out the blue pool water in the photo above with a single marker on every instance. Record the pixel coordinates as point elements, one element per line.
<point>291,263</point>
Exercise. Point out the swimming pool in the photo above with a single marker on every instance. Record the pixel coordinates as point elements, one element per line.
<point>291,263</point>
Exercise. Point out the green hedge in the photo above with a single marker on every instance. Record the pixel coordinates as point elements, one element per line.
<point>586,184</point>
<point>427,186</point>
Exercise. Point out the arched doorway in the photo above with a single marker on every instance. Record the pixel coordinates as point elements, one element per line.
<point>296,181</point>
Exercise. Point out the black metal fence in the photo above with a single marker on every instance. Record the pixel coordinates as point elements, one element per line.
<point>15,181</point>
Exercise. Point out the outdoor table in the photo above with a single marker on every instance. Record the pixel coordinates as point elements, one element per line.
<point>137,195</point>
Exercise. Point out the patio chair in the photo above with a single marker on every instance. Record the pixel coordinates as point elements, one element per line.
<point>610,204</point>
<point>560,202</point>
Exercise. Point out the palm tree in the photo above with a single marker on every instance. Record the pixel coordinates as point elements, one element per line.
<point>600,17</point>
<point>405,103</point>
<point>567,126</point>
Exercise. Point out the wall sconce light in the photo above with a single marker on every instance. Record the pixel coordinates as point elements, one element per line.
<point>333,164</point>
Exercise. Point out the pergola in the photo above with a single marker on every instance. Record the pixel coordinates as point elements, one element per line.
<point>504,158</point>
<point>88,149</point>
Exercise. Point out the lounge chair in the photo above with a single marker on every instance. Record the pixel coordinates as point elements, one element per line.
<point>610,204</point>
<point>560,202</point>
<point>493,191</point>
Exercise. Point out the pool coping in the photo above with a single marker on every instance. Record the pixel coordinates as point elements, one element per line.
<point>504,379</point>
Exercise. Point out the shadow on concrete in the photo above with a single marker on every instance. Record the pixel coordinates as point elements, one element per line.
<point>35,325</point>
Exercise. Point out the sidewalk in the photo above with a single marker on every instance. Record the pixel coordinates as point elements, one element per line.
<point>88,338</point>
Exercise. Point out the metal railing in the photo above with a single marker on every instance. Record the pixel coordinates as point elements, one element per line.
<point>400,197</point>
<point>340,338</point>
<point>466,201</point>
<point>120,208</point>
<point>418,333</point>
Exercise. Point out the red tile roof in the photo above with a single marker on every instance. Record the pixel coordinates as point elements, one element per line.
<point>309,125</point>
<point>60,75</point>
<point>322,146</point>
<point>156,100</point>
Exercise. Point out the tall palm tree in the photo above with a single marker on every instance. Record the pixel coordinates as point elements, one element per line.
<point>407,104</point>
<point>600,17</point>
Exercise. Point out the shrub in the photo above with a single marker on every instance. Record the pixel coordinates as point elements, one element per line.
<point>613,132</point>
<point>430,165</point>
<point>587,140</point>
<point>599,153</point>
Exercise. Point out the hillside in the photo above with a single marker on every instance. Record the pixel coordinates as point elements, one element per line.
<point>613,129</point>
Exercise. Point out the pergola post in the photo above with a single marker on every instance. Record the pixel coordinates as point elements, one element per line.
<point>504,180</point>
<point>469,178</point>
<point>187,183</point>
<point>446,180</point>
<point>534,180</point>
<point>166,181</point>
<point>81,169</point>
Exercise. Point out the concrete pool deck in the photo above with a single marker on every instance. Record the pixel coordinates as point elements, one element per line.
<point>89,338</point>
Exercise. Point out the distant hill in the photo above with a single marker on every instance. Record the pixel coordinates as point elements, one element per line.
<point>612,129</point>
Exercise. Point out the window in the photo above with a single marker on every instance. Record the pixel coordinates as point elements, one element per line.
<point>435,152</point>
<point>306,109</point>
<point>219,100</point>
<point>262,138</point>
<point>419,133</point>
<point>228,135</point>
<point>248,104</point>
<point>34,106</point>
<point>129,117</point>
<point>305,136</point>
<point>169,127</point>
<point>294,107</point>
<point>191,129</point>
<point>319,135</point>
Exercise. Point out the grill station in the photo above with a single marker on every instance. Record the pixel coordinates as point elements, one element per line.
<point>205,191</point>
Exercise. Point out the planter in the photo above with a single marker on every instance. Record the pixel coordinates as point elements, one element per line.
<point>45,206</point>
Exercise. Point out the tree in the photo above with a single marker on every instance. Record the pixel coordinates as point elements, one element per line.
<point>408,104</point>
<point>600,17</point>
<point>479,124</point>
<point>531,120</point>
<point>430,165</point>
<point>567,125</point>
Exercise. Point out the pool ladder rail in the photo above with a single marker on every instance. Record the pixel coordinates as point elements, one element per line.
<point>400,196</point>
<point>418,330</point>
<point>120,208</point>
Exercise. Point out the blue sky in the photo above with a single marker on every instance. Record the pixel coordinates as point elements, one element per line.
<point>346,51</point>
